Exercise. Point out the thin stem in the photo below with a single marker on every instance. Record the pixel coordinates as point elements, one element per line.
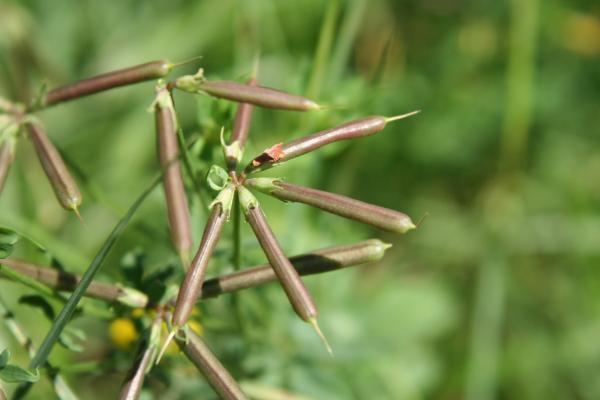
<point>187,164</point>
<point>61,388</point>
<point>67,311</point>
<point>237,261</point>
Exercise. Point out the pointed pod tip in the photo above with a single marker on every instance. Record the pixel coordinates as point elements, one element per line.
<point>328,107</point>
<point>255,65</point>
<point>402,116</point>
<point>75,209</point>
<point>166,344</point>
<point>315,325</point>
<point>423,218</point>
<point>386,245</point>
<point>184,62</point>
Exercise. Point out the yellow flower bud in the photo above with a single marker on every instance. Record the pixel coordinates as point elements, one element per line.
<point>123,333</point>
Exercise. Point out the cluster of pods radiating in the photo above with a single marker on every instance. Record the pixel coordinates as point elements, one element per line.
<point>241,182</point>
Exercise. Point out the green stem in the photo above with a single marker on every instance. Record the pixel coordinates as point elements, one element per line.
<point>187,164</point>
<point>69,308</point>
<point>62,389</point>
<point>237,262</point>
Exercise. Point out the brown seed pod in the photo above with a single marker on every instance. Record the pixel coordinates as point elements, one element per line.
<point>315,262</point>
<point>350,130</point>
<point>7,156</point>
<point>134,381</point>
<point>192,284</point>
<point>257,95</point>
<point>293,286</point>
<point>380,217</point>
<point>127,76</point>
<point>168,150</point>
<point>212,369</point>
<point>62,182</point>
<point>64,281</point>
<point>239,134</point>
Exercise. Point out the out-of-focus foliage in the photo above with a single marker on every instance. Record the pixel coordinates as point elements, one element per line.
<point>496,296</point>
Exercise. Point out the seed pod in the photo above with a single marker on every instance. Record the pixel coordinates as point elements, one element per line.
<point>293,286</point>
<point>239,135</point>
<point>350,130</point>
<point>316,262</point>
<point>64,281</point>
<point>127,76</point>
<point>257,95</point>
<point>62,182</point>
<point>7,156</point>
<point>134,381</point>
<point>192,285</point>
<point>379,217</point>
<point>212,369</point>
<point>168,150</point>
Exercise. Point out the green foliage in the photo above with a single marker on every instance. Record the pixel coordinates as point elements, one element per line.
<point>11,373</point>
<point>496,295</point>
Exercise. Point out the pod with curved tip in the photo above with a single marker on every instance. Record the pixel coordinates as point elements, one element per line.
<point>122,77</point>
<point>205,361</point>
<point>379,217</point>
<point>168,150</point>
<point>257,95</point>
<point>350,130</point>
<point>294,288</point>
<point>191,287</point>
<point>315,262</point>
<point>62,182</point>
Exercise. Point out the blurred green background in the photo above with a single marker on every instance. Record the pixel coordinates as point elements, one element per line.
<point>495,296</point>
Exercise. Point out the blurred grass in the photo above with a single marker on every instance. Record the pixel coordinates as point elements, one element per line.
<point>496,296</point>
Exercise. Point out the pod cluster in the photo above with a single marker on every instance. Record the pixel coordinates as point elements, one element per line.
<point>235,197</point>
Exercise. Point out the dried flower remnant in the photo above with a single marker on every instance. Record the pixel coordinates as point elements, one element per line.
<point>168,150</point>
<point>350,130</point>
<point>66,190</point>
<point>379,217</point>
<point>257,95</point>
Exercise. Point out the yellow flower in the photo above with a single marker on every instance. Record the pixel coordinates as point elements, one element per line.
<point>123,333</point>
<point>196,327</point>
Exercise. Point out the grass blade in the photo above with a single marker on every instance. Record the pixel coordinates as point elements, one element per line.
<point>65,315</point>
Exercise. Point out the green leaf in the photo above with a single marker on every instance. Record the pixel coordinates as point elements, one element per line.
<point>4,357</point>
<point>8,239</point>
<point>14,374</point>
<point>67,312</point>
<point>217,177</point>
<point>69,337</point>
<point>38,301</point>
